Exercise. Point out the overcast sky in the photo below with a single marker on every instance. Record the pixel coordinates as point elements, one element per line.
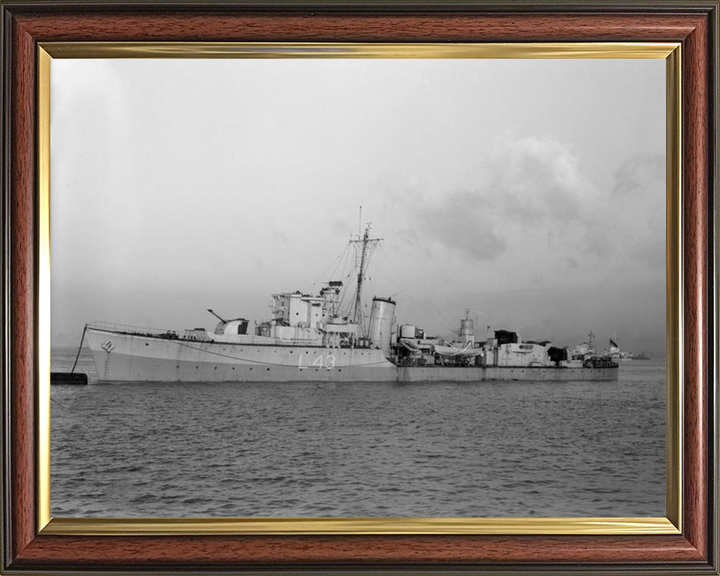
<point>530,192</point>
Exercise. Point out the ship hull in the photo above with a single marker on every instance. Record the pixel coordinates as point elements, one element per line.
<point>504,373</point>
<point>144,358</point>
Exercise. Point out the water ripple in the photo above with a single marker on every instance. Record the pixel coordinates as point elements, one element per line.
<point>307,449</point>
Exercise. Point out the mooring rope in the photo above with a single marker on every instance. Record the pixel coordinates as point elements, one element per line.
<point>79,348</point>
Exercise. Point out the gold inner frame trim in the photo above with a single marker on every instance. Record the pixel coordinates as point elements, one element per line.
<point>406,526</point>
<point>673,290</point>
<point>614,50</point>
<point>43,396</point>
<point>178,526</point>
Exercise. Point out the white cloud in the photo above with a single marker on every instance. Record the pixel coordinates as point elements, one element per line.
<point>532,207</point>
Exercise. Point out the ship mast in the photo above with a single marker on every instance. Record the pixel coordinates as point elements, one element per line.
<point>365,245</point>
<point>590,337</point>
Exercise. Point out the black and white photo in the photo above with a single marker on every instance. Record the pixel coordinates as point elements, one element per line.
<point>359,287</point>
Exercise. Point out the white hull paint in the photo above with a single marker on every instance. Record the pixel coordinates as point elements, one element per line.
<point>144,358</point>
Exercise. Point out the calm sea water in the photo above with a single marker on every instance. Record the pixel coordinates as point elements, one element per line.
<point>303,450</point>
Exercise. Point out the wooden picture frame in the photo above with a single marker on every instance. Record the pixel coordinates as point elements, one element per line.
<point>31,546</point>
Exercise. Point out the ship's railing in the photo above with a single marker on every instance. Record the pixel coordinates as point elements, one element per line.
<point>129,329</point>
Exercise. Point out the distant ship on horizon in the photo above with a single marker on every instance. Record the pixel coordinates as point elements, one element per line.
<point>617,355</point>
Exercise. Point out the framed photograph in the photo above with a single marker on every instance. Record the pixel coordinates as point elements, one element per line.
<point>364,287</point>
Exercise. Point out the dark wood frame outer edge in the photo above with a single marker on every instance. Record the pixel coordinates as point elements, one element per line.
<point>25,23</point>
